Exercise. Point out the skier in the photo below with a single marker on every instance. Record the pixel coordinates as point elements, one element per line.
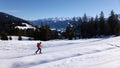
<point>39,48</point>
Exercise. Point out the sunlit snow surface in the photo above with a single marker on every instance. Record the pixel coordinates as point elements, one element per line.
<point>83,53</point>
<point>25,27</point>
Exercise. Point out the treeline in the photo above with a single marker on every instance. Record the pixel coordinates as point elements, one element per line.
<point>84,27</point>
<point>93,27</point>
<point>40,33</point>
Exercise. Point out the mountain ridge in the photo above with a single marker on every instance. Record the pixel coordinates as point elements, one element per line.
<point>57,22</point>
<point>10,21</point>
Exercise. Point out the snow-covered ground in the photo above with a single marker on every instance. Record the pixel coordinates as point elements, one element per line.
<point>14,38</point>
<point>25,27</point>
<point>83,53</point>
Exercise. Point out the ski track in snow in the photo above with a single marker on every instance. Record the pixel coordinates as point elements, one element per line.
<point>61,53</point>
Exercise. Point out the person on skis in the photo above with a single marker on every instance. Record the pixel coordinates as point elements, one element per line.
<point>39,48</point>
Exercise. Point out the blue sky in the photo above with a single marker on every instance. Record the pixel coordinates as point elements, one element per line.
<point>37,9</point>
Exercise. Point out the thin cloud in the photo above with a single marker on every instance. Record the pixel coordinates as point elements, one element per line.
<point>13,11</point>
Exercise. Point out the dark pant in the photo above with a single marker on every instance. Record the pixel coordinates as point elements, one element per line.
<point>39,49</point>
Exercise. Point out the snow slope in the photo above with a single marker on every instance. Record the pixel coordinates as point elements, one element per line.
<point>83,53</point>
<point>27,26</point>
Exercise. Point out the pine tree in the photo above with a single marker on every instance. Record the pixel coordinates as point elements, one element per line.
<point>117,26</point>
<point>47,32</point>
<point>4,36</point>
<point>79,27</point>
<point>69,32</point>
<point>113,24</point>
<point>54,34</point>
<point>96,21</point>
<point>10,38</point>
<point>19,37</point>
<point>91,28</point>
<point>36,35</point>
<point>30,32</point>
<point>84,26</point>
<point>42,32</point>
<point>74,27</point>
<point>101,26</point>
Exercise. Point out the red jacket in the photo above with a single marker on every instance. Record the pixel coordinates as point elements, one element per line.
<point>38,45</point>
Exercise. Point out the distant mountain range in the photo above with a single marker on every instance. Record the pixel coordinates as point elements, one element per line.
<point>57,23</point>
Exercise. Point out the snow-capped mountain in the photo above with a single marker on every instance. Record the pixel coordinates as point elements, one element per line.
<point>58,19</point>
<point>58,23</point>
